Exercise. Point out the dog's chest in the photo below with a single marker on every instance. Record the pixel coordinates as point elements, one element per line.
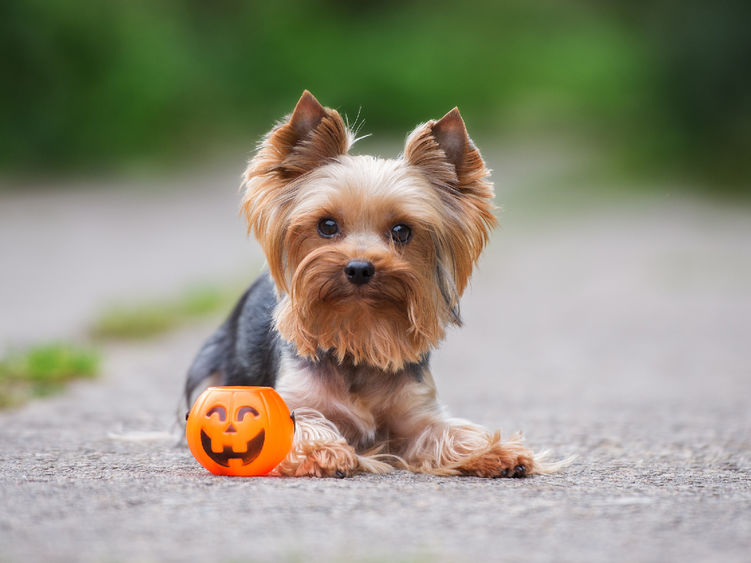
<point>359,400</point>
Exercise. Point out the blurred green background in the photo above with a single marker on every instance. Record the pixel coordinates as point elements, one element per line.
<point>661,87</point>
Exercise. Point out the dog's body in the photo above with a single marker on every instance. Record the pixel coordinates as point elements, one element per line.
<point>368,259</point>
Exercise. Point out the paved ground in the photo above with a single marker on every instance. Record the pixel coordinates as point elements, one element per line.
<point>67,251</point>
<point>617,331</point>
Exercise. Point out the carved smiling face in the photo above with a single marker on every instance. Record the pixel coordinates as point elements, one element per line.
<point>239,430</point>
<point>237,425</point>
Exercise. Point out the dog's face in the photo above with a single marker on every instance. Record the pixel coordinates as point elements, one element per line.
<point>370,256</point>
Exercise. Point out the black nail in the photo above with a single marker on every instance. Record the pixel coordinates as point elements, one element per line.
<point>519,471</point>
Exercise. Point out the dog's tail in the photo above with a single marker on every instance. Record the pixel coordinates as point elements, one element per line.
<point>207,368</point>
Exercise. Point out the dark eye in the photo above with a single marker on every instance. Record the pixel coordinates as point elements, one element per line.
<point>217,410</point>
<point>401,233</point>
<point>242,411</point>
<point>327,228</point>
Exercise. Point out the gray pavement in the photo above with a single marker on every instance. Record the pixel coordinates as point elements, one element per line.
<point>613,328</point>
<point>68,251</point>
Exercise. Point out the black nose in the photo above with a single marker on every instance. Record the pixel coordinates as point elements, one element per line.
<point>359,271</point>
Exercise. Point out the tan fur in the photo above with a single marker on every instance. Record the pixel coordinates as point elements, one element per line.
<point>465,191</point>
<point>371,424</point>
<point>321,310</point>
<point>363,397</point>
<point>290,150</point>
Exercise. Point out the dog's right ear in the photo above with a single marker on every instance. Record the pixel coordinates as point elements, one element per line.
<point>311,136</point>
<point>308,138</point>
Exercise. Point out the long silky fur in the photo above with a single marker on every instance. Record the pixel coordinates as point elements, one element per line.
<point>320,313</point>
<point>467,193</point>
<point>273,176</point>
<point>358,378</point>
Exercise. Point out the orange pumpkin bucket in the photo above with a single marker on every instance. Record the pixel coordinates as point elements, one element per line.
<point>240,431</point>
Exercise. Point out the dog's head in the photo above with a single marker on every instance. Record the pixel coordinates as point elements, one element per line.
<point>370,256</point>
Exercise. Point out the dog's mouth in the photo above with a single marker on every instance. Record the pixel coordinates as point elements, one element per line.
<point>383,290</point>
<point>254,447</point>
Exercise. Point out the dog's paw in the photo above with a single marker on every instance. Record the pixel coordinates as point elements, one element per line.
<point>326,460</point>
<point>337,460</point>
<point>499,460</point>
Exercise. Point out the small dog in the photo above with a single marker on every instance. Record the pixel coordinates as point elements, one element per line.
<point>367,261</point>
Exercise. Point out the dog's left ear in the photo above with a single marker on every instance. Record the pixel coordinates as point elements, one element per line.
<point>447,157</point>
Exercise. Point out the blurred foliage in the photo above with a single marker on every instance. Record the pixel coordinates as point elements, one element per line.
<point>43,370</point>
<point>145,320</point>
<point>664,84</point>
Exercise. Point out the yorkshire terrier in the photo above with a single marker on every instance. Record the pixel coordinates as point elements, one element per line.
<point>367,259</point>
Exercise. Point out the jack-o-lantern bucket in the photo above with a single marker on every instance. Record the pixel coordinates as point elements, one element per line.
<point>239,430</point>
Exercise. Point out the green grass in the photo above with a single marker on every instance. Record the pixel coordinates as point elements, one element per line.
<point>145,320</point>
<point>43,370</point>
<point>165,80</point>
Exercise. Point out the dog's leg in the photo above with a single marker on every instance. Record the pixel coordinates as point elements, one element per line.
<point>318,449</point>
<point>457,447</point>
<point>431,442</point>
<point>321,448</point>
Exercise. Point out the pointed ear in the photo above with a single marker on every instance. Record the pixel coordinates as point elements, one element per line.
<point>443,152</point>
<point>306,116</point>
<point>309,137</point>
<point>451,135</point>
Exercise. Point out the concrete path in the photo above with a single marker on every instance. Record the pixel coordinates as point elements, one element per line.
<point>68,251</point>
<point>616,329</point>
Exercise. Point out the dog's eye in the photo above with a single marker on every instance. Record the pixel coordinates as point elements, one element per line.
<point>327,228</point>
<point>401,233</point>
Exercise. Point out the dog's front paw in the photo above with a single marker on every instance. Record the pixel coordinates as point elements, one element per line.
<point>499,460</point>
<point>326,460</point>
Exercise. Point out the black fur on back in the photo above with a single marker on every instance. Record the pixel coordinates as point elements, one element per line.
<point>246,349</point>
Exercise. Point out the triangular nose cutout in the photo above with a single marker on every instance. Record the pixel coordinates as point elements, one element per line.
<point>230,429</point>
